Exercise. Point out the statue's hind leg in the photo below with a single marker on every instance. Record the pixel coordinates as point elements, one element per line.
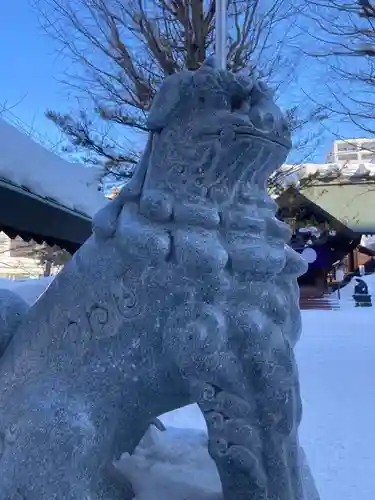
<point>60,439</point>
<point>72,440</point>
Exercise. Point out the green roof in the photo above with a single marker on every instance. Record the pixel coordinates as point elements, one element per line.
<point>353,204</point>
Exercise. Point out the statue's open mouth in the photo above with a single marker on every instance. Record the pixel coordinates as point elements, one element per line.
<point>250,132</point>
<point>271,136</point>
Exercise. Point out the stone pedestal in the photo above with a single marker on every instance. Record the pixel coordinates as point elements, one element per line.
<point>362,300</point>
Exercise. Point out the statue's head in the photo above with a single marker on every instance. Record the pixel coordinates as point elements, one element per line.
<point>214,140</point>
<point>214,132</point>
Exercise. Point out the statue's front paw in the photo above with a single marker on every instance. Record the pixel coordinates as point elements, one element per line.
<point>235,443</point>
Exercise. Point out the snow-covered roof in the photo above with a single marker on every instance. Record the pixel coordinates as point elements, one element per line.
<point>27,165</point>
<point>368,242</point>
<point>347,169</point>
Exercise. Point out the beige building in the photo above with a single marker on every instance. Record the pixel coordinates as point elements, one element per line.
<point>352,150</point>
<point>19,259</point>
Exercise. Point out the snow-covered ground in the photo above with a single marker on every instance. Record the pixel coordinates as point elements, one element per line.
<point>337,370</point>
<point>336,358</point>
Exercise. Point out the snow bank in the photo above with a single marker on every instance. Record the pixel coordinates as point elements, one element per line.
<point>189,417</point>
<point>26,164</point>
<point>29,290</point>
<point>337,371</point>
<point>174,465</point>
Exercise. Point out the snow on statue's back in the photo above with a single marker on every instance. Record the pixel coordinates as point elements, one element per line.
<point>186,292</point>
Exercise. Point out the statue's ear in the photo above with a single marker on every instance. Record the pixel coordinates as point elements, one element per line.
<point>167,99</point>
<point>105,221</point>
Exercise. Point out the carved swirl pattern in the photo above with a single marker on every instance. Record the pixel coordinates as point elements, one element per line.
<point>234,439</point>
<point>98,317</point>
<point>194,334</point>
<point>74,333</point>
<point>127,301</point>
<point>96,320</point>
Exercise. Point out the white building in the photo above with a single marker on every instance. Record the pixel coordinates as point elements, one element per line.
<point>356,150</point>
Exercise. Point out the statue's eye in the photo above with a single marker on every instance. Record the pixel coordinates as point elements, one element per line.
<point>240,99</point>
<point>236,102</point>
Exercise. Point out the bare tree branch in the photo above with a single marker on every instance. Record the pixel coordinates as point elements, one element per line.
<point>121,50</point>
<point>346,44</point>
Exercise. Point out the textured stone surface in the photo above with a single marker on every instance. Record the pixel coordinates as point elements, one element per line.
<point>12,310</point>
<point>185,292</point>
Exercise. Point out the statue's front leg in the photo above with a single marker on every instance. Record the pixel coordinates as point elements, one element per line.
<point>246,385</point>
<point>252,442</point>
<point>234,442</point>
<point>196,337</point>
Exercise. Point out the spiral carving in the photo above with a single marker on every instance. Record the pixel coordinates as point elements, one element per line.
<point>75,334</point>
<point>218,447</point>
<point>127,302</point>
<point>195,332</point>
<point>234,438</point>
<point>98,317</point>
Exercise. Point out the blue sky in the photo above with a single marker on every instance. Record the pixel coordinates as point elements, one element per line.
<point>29,67</point>
<point>30,70</point>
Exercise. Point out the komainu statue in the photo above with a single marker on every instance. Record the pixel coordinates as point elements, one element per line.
<point>186,292</point>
